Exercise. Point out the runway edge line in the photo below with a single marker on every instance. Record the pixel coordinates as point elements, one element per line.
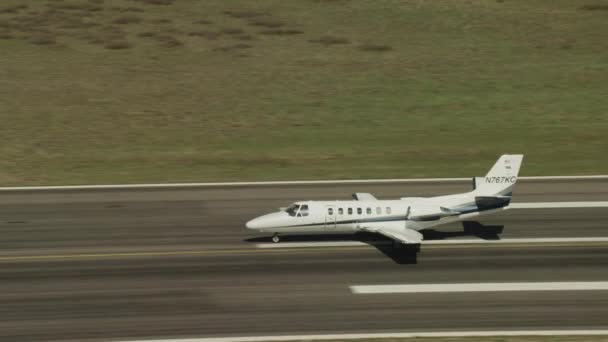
<point>384,335</point>
<point>236,184</point>
<point>480,287</point>
<point>437,242</point>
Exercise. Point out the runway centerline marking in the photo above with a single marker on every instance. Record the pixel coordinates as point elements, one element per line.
<point>480,287</point>
<point>49,257</point>
<point>433,242</point>
<point>393,335</point>
<point>338,246</point>
<point>215,252</point>
<point>556,205</point>
<point>317,244</point>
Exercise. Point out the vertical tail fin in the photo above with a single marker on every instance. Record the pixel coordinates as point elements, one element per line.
<point>501,178</point>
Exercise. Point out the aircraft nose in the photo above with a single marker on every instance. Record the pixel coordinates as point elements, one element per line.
<point>253,224</point>
<point>266,221</point>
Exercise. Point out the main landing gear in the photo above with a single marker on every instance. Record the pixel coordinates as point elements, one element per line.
<point>276,238</point>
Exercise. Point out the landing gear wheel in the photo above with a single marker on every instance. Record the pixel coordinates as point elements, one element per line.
<point>276,238</point>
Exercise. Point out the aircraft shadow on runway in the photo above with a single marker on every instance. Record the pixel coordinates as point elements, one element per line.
<point>408,254</point>
<point>469,228</point>
<point>400,254</point>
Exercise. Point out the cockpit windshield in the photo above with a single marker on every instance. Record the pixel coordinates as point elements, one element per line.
<point>297,210</point>
<point>293,209</point>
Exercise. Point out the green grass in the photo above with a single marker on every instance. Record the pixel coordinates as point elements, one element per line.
<point>127,91</point>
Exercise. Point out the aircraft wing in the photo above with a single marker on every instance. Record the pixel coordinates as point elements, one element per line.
<point>404,235</point>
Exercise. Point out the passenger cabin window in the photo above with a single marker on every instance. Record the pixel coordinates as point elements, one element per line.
<point>359,211</point>
<point>340,211</point>
<point>378,210</point>
<point>350,211</point>
<point>369,211</point>
<point>330,211</point>
<point>388,210</point>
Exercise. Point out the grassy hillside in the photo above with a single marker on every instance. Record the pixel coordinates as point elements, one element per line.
<point>185,90</point>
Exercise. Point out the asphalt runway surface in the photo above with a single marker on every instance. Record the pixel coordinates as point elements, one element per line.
<point>178,262</point>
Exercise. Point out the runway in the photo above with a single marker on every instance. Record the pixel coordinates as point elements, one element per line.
<point>102,264</point>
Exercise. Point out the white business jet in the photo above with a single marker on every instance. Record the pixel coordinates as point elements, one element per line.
<point>399,220</point>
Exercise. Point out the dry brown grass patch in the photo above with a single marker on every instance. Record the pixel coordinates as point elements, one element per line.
<point>160,21</point>
<point>206,34</point>
<point>118,45</point>
<point>243,37</point>
<point>147,34</point>
<point>13,9</point>
<point>113,30</point>
<point>173,30</point>
<point>232,31</point>
<point>42,40</point>
<point>595,7</point>
<point>244,14</point>
<point>168,41</point>
<point>75,23</point>
<point>266,23</point>
<point>108,35</point>
<point>96,40</point>
<point>6,35</point>
<point>156,2</point>
<point>60,6</point>
<point>330,40</point>
<point>126,9</point>
<point>239,46</point>
<point>281,32</point>
<point>375,47</point>
<point>127,19</point>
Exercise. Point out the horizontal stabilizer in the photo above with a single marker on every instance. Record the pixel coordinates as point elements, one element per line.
<point>430,214</point>
<point>491,202</point>
<point>448,211</point>
<point>364,196</point>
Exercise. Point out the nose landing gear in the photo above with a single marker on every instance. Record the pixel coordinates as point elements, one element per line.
<point>276,238</point>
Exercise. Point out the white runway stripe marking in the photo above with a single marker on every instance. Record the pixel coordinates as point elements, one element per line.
<point>317,244</point>
<point>318,182</point>
<point>517,240</point>
<point>386,335</point>
<point>550,205</point>
<point>480,287</point>
<point>432,242</point>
